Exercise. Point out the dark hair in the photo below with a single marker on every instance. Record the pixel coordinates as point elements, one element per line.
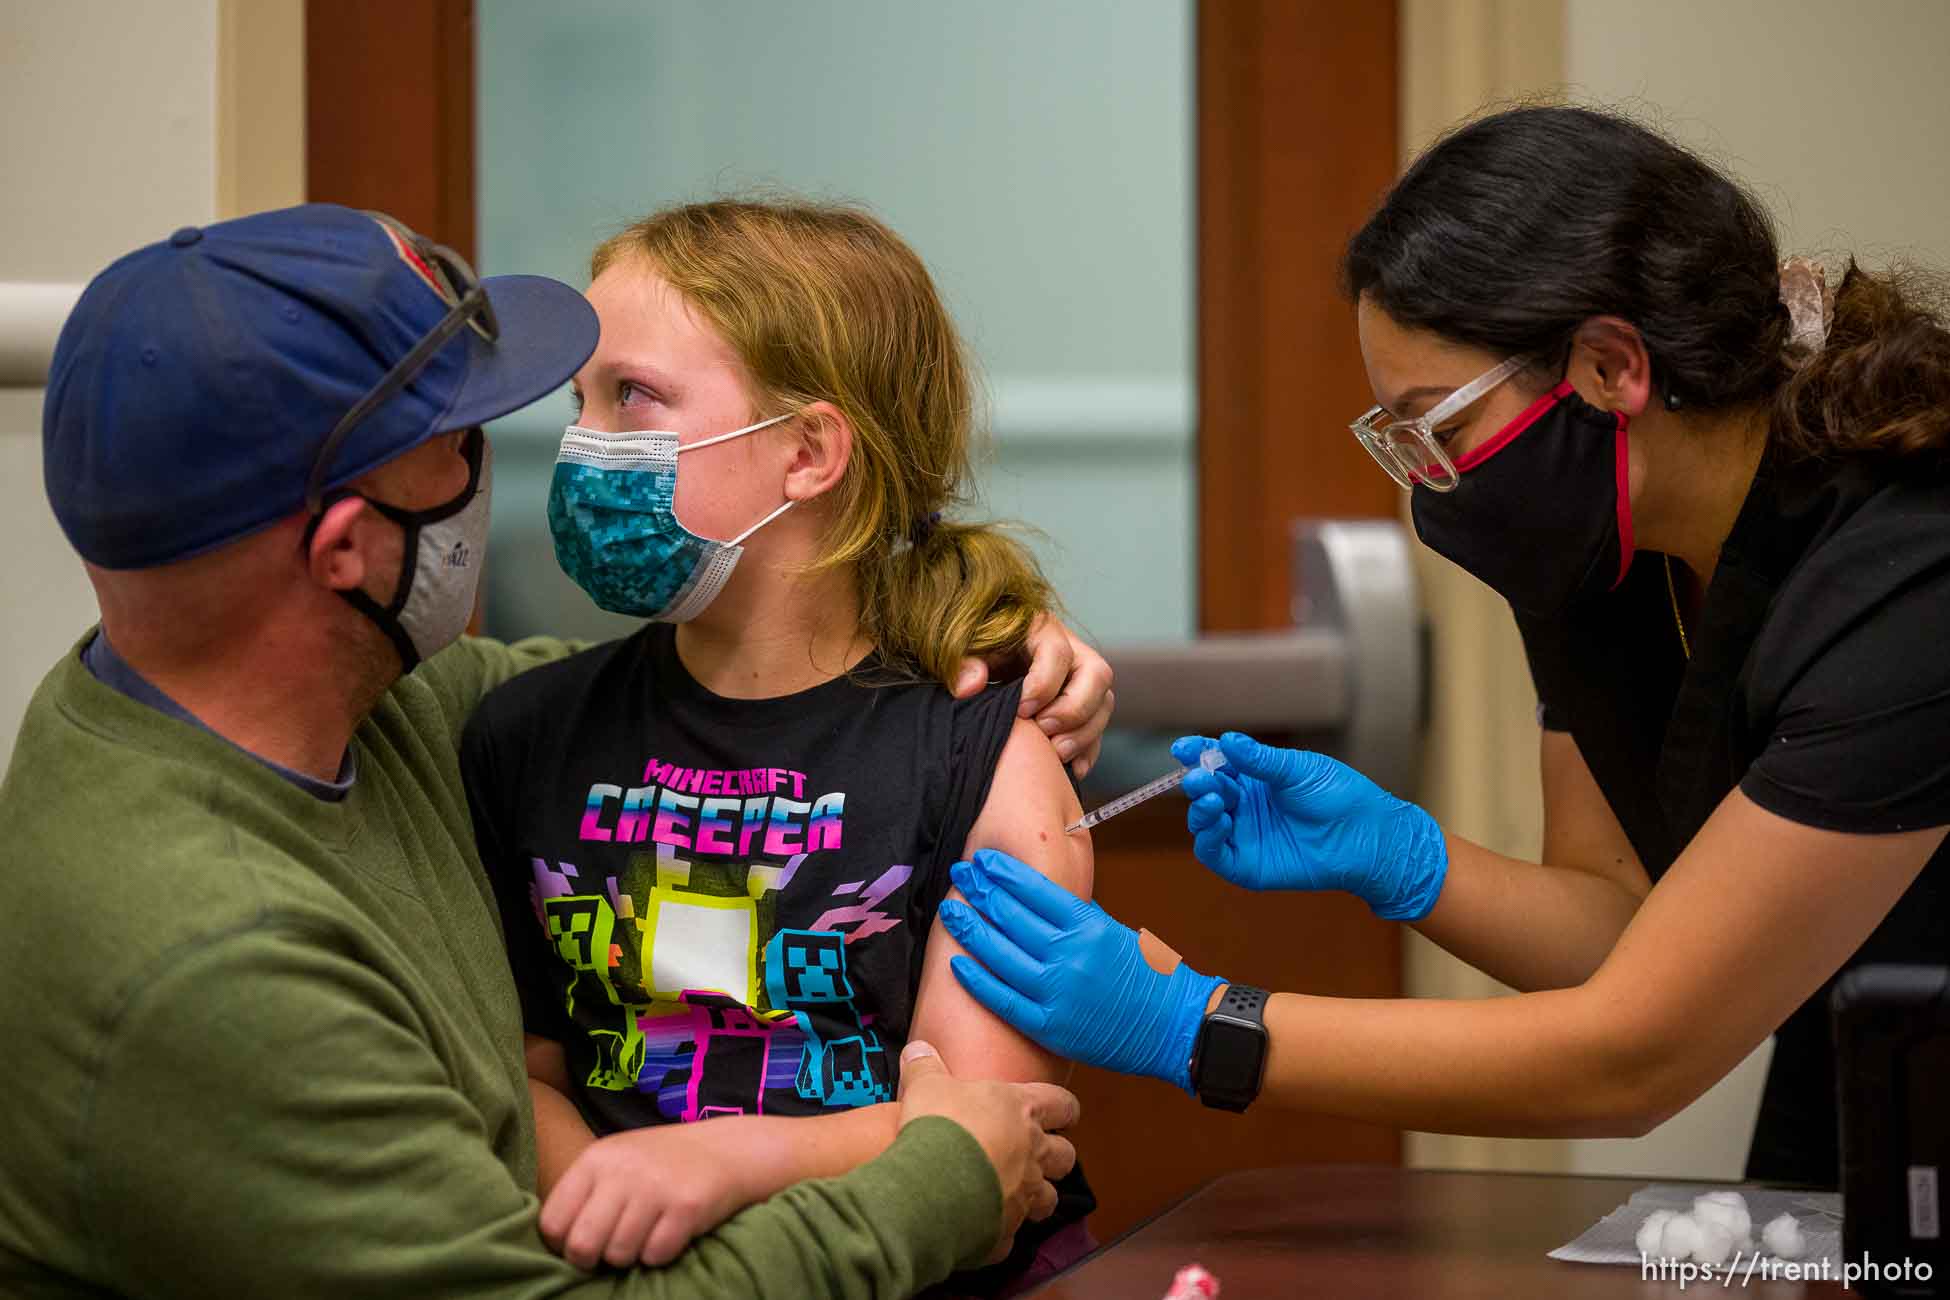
<point>1511,231</point>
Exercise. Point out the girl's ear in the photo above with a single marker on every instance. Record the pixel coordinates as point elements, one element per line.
<point>823,449</point>
<point>1610,367</point>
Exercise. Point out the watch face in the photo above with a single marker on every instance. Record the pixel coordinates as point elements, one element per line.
<point>1232,1055</point>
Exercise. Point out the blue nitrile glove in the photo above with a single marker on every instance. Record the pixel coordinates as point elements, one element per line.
<point>1068,975</point>
<point>1294,819</point>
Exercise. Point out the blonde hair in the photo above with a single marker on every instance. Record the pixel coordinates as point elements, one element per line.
<point>823,303</point>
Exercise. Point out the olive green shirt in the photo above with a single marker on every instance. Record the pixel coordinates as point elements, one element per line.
<point>261,1043</point>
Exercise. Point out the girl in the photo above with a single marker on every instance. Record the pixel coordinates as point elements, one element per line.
<point>719,843</point>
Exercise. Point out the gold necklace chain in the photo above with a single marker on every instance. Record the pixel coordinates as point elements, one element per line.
<point>1677,621</point>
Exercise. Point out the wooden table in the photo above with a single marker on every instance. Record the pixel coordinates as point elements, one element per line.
<point>1355,1231</point>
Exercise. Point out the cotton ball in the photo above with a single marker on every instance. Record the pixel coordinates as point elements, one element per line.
<point>1729,1210</point>
<point>1650,1231</point>
<point>1715,1244</point>
<point>1681,1237</point>
<point>1783,1236</point>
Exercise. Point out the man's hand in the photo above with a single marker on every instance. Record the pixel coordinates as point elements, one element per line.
<point>641,1196</point>
<point>1018,1125</point>
<point>1067,690</point>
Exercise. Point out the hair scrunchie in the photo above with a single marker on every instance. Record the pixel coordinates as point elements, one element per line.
<point>1810,305</point>
<point>923,528</point>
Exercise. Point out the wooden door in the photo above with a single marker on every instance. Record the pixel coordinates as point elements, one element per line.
<point>389,111</point>
<point>1296,141</point>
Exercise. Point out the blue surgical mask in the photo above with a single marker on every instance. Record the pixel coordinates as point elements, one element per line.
<point>612,512</point>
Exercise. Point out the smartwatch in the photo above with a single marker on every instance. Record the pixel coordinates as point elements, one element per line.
<point>1229,1060</point>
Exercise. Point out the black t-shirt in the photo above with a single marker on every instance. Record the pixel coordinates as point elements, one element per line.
<point>720,906</point>
<point>1819,685</point>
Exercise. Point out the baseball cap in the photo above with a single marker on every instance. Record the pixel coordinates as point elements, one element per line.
<point>198,380</point>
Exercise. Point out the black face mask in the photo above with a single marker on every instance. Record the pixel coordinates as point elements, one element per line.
<point>1541,512</point>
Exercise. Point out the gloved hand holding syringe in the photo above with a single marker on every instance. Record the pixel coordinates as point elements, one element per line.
<point>1210,759</point>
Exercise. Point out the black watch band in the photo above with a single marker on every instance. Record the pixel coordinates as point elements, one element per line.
<point>1229,1061</point>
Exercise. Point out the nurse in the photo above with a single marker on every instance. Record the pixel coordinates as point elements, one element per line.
<point>1715,491</point>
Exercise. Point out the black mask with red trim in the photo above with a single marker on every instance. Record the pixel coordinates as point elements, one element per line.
<point>1541,512</point>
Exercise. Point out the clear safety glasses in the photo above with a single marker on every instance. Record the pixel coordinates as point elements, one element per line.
<point>1409,450</point>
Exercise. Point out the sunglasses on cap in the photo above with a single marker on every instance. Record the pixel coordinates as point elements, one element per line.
<point>468,308</point>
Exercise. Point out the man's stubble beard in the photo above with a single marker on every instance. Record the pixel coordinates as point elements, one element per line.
<point>369,664</point>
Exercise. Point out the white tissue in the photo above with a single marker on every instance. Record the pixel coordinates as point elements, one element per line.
<point>1783,1236</point>
<point>1650,1232</point>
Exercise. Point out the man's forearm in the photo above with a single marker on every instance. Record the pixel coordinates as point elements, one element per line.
<point>900,1222</point>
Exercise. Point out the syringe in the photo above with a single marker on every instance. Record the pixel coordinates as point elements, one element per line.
<point>1210,759</point>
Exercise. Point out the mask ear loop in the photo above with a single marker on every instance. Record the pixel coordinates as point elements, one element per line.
<point>740,538</point>
<point>386,617</point>
<point>735,433</point>
<point>739,433</point>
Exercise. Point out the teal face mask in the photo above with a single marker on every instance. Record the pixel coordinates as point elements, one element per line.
<point>612,512</point>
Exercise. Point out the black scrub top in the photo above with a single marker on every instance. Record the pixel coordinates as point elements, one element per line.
<point>1819,685</point>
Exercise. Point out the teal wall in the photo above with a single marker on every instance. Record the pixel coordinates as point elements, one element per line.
<point>1037,155</point>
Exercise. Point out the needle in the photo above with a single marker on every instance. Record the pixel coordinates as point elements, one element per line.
<point>1211,760</point>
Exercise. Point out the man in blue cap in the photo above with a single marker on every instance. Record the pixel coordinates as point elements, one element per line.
<point>261,1037</point>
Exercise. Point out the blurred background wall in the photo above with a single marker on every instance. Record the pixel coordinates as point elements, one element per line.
<point>119,122</point>
<point>1047,162</point>
<point>1037,156</point>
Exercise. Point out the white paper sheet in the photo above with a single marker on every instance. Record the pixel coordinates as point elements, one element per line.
<point>1611,1239</point>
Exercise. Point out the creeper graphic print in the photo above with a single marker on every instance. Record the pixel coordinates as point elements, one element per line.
<point>805,973</point>
<point>582,927</point>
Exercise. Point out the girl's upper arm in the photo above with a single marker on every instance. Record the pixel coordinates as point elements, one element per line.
<point>1029,803</point>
